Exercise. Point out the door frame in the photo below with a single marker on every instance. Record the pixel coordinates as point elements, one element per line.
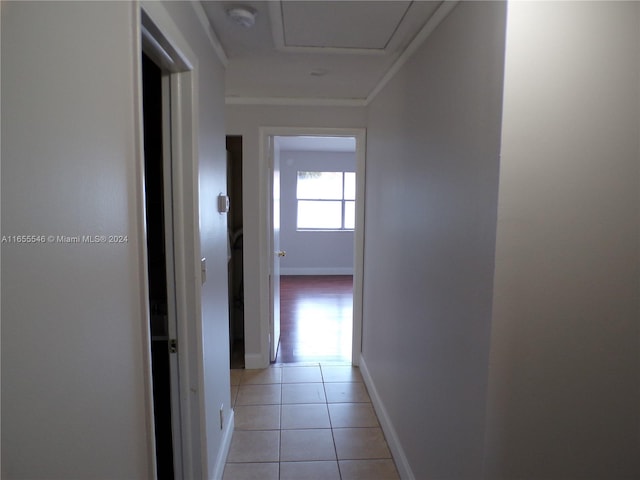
<point>159,37</point>
<point>265,234</point>
<point>274,247</point>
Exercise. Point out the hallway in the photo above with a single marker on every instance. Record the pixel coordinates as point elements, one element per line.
<point>305,422</point>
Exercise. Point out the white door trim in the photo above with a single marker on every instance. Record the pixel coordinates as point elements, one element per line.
<point>161,39</point>
<point>265,234</point>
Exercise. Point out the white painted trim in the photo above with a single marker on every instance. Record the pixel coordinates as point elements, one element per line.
<point>274,245</point>
<point>438,16</point>
<point>227,436</point>
<point>173,40</point>
<point>210,32</point>
<point>168,133</point>
<point>183,66</point>
<point>277,27</point>
<point>277,30</point>
<point>256,360</point>
<point>260,359</point>
<point>316,271</point>
<point>187,300</point>
<point>332,50</point>
<point>264,234</point>
<point>142,246</point>
<point>404,469</point>
<point>358,247</point>
<point>296,102</point>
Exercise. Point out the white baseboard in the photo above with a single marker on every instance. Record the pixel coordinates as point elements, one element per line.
<point>404,469</point>
<point>223,452</point>
<point>316,271</point>
<point>255,360</point>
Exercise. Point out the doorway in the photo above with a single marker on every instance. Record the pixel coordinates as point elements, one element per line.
<point>236,249</point>
<point>306,156</point>
<point>172,111</point>
<point>158,200</point>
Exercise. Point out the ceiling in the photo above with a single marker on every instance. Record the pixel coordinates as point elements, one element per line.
<point>330,50</point>
<point>317,144</point>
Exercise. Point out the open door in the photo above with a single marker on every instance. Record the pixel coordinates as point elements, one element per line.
<point>271,250</point>
<point>166,101</point>
<point>276,252</point>
<point>160,267</point>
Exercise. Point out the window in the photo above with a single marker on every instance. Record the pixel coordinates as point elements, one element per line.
<point>326,200</point>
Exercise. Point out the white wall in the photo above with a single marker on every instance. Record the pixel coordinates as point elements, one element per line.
<point>312,252</point>
<point>564,397</point>
<point>73,403</point>
<point>433,143</point>
<point>246,121</point>
<point>73,349</point>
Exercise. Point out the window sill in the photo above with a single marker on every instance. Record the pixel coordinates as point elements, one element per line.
<point>316,230</point>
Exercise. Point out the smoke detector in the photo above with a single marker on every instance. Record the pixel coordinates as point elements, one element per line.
<point>243,16</point>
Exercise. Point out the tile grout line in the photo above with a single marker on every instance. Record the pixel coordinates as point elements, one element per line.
<point>280,431</point>
<point>333,437</point>
<point>332,427</point>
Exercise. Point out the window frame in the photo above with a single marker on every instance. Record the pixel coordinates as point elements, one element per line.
<point>343,201</point>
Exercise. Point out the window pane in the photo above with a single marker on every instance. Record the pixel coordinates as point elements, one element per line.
<point>319,185</point>
<point>350,215</point>
<point>349,185</point>
<point>319,214</point>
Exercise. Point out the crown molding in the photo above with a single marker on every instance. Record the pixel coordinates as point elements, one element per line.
<point>297,101</point>
<point>210,32</point>
<point>438,16</point>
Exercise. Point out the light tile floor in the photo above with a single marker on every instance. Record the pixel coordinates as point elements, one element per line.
<point>305,422</point>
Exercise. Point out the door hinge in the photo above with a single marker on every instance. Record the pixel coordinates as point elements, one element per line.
<point>173,346</point>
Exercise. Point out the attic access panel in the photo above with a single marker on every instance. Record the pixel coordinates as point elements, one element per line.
<point>363,25</point>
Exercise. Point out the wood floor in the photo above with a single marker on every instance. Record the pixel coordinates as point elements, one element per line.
<point>315,319</point>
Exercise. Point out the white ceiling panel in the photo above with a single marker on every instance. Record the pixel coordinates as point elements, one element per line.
<point>344,24</point>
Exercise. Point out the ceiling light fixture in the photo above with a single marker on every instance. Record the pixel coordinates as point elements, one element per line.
<point>243,16</point>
